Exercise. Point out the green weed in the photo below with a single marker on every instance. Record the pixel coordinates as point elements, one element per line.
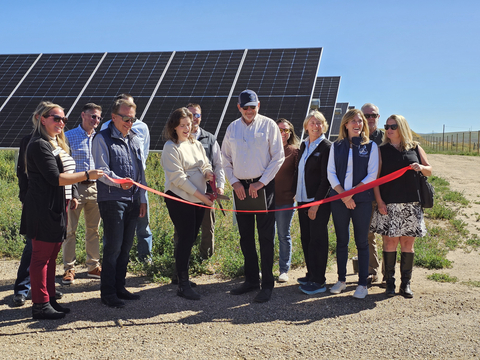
<point>442,278</point>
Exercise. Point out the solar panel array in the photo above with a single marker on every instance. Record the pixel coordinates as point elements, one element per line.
<point>160,82</point>
<point>326,89</point>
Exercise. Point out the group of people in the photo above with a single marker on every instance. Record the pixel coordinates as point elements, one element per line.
<point>62,173</point>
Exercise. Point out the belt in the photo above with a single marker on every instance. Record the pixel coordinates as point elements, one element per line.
<point>87,182</point>
<point>250,181</point>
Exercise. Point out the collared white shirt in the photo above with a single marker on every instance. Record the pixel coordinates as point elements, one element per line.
<point>252,151</point>
<point>301,193</point>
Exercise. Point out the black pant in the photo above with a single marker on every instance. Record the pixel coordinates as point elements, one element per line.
<point>314,236</point>
<point>266,238</point>
<point>187,220</point>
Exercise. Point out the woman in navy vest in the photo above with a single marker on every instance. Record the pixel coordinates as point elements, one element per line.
<point>399,215</point>
<point>353,162</point>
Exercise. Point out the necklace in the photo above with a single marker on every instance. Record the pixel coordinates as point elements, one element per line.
<point>397,146</point>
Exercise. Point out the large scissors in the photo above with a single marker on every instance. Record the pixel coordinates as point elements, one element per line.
<point>214,195</point>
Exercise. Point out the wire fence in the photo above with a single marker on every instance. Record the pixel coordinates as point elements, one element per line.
<point>461,142</point>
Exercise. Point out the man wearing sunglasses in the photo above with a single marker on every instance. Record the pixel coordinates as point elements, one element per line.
<point>117,151</point>
<point>144,234</point>
<point>80,140</point>
<point>252,151</point>
<point>372,114</point>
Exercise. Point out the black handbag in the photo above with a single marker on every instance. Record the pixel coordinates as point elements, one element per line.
<point>425,190</point>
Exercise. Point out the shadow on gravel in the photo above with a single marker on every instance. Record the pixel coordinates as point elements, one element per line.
<point>288,304</point>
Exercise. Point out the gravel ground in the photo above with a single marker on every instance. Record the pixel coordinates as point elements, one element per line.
<point>442,321</point>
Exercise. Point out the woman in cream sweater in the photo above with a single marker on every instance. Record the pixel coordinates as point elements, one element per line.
<point>187,169</point>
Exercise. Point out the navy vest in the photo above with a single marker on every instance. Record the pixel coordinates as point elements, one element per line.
<point>121,164</point>
<point>361,156</point>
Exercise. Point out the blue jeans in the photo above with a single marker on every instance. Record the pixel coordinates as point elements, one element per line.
<point>361,222</point>
<point>283,221</point>
<point>119,223</point>
<point>144,235</point>
<point>22,284</point>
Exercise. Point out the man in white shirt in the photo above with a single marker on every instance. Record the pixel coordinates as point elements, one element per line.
<point>252,152</point>
<point>144,234</point>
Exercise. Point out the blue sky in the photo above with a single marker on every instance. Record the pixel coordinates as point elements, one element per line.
<point>418,58</point>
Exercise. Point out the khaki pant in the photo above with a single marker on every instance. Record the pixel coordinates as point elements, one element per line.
<point>374,263</point>
<point>87,202</point>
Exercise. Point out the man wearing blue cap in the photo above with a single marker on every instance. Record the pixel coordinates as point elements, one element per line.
<point>252,150</point>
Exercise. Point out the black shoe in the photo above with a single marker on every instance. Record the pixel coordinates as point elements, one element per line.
<point>406,291</point>
<point>58,295</point>
<point>127,295</point>
<point>46,311</point>
<point>58,307</point>
<point>19,299</point>
<point>175,282</point>
<point>113,301</point>
<point>263,296</point>
<point>244,288</point>
<point>188,293</point>
<point>303,280</point>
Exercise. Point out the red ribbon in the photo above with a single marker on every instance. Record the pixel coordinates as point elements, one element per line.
<point>370,185</point>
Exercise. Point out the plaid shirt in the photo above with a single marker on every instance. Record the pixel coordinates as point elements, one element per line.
<point>81,146</point>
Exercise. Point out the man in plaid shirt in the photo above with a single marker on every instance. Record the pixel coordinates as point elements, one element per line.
<point>80,140</point>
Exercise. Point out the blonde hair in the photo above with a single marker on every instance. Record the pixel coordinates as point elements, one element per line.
<point>317,115</point>
<point>406,136</point>
<point>42,110</point>
<point>293,139</point>
<point>349,115</point>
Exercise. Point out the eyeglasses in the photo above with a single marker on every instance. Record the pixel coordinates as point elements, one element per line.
<point>353,121</point>
<point>197,116</point>
<point>249,107</point>
<point>57,118</point>
<point>368,116</point>
<point>286,131</point>
<point>393,127</point>
<point>95,117</point>
<point>127,118</point>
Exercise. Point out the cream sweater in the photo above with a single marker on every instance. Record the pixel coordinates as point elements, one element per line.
<point>185,165</point>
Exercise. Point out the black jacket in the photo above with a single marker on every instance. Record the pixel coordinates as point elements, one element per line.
<point>316,180</point>
<point>44,208</point>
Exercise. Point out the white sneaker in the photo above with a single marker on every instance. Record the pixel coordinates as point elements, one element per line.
<point>283,278</point>
<point>338,287</point>
<point>360,292</point>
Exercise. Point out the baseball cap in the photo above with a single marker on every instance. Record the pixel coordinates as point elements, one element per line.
<point>248,98</point>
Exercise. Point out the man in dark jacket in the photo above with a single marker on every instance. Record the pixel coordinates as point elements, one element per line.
<point>117,151</point>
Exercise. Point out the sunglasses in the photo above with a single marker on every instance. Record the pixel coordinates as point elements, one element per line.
<point>57,118</point>
<point>249,107</point>
<point>368,116</point>
<point>393,127</point>
<point>197,116</point>
<point>95,117</point>
<point>127,118</point>
<point>286,131</point>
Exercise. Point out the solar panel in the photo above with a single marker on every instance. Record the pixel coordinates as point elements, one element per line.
<point>55,77</point>
<point>326,89</point>
<point>340,110</point>
<point>283,80</point>
<point>160,82</point>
